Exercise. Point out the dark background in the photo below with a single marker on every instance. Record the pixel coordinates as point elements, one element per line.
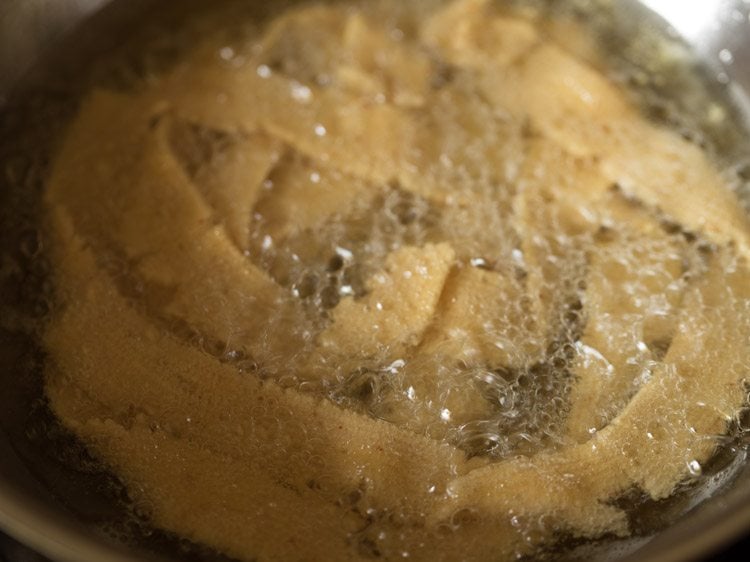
<point>11,551</point>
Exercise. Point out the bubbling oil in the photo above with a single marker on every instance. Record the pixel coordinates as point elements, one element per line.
<point>444,254</point>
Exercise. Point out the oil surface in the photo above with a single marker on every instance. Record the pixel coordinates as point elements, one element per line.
<point>426,238</point>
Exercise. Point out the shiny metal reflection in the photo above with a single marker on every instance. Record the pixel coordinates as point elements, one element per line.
<point>28,27</point>
<point>719,32</point>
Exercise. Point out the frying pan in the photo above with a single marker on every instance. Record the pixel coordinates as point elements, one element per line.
<point>58,511</point>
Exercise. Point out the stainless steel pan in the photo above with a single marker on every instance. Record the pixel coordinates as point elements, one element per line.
<point>51,510</point>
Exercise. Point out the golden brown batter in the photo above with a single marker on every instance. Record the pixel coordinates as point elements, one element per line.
<point>360,289</point>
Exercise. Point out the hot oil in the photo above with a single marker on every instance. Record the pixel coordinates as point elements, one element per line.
<point>525,405</point>
<point>57,469</point>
